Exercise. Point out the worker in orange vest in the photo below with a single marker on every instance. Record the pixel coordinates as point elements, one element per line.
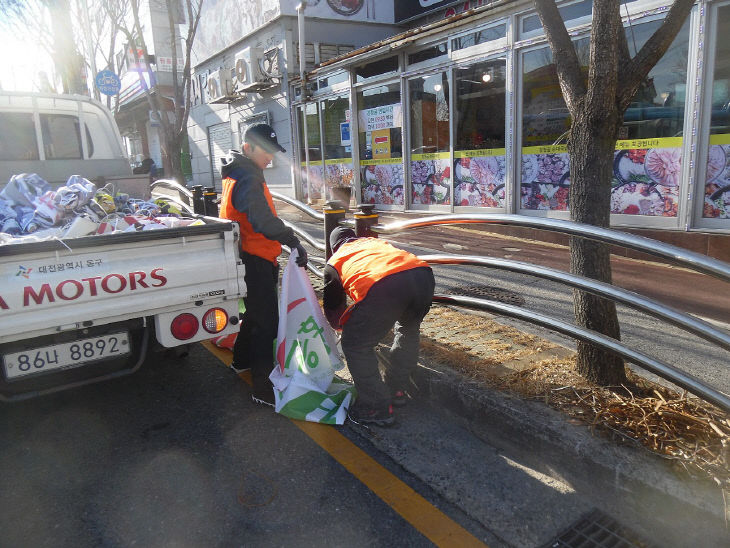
<point>391,288</point>
<point>246,199</point>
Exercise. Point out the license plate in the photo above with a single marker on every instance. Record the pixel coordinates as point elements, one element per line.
<point>65,355</point>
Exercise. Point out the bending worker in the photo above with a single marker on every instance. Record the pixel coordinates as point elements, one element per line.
<point>391,288</point>
<point>246,200</point>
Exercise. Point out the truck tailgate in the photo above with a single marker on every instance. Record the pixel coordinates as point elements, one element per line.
<point>47,286</point>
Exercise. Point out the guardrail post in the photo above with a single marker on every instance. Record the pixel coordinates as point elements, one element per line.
<point>198,202</point>
<point>333,214</point>
<point>364,219</point>
<point>209,198</point>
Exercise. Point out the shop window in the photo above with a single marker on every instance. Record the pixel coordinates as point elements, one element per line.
<point>481,36</point>
<point>381,67</point>
<point>332,80</point>
<point>648,159</point>
<point>717,175</point>
<point>61,136</point>
<point>430,156</point>
<point>338,168</point>
<point>17,137</point>
<point>429,53</point>
<point>312,174</point>
<point>380,122</point>
<point>480,167</point>
<point>531,25</point>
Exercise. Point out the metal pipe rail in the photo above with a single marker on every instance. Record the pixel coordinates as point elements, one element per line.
<point>695,261</point>
<point>299,205</point>
<point>171,184</point>
<point>624,296</point>
<point>668,372</point>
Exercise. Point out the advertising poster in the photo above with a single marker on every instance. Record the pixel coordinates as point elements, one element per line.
<point>646,177</point>
<point>479,177</point>
<point>545,178</point>
<point>382,181</point>
<point>717,179</point>
<point>431,177</point>
<point>316,180</point>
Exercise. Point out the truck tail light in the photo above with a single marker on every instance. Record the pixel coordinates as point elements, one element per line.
<point>184,326</point>
<point>215,320</point>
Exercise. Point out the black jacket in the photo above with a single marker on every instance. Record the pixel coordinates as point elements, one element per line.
<point>248,198</point>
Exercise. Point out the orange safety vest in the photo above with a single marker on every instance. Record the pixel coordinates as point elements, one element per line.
<point>362,262</point>
<point>252,242</point>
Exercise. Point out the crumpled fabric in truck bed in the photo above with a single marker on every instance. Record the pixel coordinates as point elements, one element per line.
<point>28,207</point>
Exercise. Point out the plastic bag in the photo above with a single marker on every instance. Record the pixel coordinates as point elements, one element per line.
<point>304,380</point>
<point>77,192</point>
<point>24,189</point>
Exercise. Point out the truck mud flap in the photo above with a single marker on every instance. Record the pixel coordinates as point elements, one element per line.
<point>63,378</point>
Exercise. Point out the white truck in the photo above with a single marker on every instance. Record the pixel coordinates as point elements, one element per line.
<point>78,310</point>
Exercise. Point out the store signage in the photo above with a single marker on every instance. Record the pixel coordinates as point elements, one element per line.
<point>345,134</point>
<point>381,143</point>
<point>385,117</point>
<point>164,64</point>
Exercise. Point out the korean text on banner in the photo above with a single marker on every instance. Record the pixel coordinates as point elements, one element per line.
<point>304,380</point>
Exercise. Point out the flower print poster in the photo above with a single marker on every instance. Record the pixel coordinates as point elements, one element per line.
<point>717,178</point>
<point>381,182</point>
<point>315,172</point>
<point>431,178</point>
<point>646,177</point>
<point>479,178</point>
<point>545,178</point>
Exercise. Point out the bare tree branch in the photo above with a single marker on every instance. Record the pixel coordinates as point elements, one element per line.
<point>566,61</point>
<point>633,74</point>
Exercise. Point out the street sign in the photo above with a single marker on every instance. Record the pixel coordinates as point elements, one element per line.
<point>107,82</point>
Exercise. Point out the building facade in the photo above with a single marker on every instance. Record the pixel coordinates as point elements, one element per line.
<point>457,108</point>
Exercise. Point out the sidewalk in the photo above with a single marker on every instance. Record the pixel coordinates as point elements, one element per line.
<point>640,489</point>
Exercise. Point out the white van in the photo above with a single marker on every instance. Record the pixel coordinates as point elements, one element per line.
<point>57,136</point>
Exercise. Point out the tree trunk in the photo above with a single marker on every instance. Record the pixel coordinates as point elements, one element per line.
<point>591,145</point>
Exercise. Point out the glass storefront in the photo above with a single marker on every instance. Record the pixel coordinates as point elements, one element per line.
<point>312,175</point>
<point>480,164</point>
<point>430,174</point>
<point>338,169</point>
<point>717,175</point>
<point>380,123</point>
<point>461,98</point>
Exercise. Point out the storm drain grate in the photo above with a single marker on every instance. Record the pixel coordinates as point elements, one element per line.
<point>597,530</point>
<point>492,293</point>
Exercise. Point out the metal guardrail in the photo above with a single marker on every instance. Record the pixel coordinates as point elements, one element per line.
<point>689,259</point>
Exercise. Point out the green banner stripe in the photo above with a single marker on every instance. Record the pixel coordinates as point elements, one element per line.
<point>480,153</point>
<point>311,163</point>
<point>660,142</point>
<point>546,149</point>
<point>338,161</point>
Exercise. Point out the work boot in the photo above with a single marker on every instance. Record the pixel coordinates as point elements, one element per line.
<point>364,414</point>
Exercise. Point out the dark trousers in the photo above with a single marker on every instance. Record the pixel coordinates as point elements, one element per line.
<point>399,301</point>
<point>255,342</point>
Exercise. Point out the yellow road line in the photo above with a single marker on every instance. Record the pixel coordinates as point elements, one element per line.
<point>421,514</point>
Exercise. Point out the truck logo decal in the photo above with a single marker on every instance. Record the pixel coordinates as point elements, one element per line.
<point>3,304</point>
<point>205,294</point>
<point>69,290</point>
<point>25,272</point>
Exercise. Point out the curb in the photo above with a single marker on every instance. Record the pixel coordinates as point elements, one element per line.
<point>637,487</point>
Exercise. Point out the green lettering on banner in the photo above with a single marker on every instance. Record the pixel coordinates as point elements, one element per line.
<point>310,325</point>
<point>431,156</point>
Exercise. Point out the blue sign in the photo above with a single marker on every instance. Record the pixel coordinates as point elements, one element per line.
<point>108,83</point>
<point>345,133</point>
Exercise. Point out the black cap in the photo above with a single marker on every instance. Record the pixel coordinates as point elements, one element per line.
<point>264,136</point>
<point>339,236</point>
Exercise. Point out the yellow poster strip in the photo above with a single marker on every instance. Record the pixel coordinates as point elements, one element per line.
<point>545,149</point>
<point>480,153</point>
<point>720,139</point>
<point>416,510</point>
<point>431,156</point>
<point>312,163</point>
<point>659,142</point>
<point>381,161</point>
<point>333,161</point>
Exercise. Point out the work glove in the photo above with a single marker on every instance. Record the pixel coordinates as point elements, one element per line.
<point>301,259</point>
